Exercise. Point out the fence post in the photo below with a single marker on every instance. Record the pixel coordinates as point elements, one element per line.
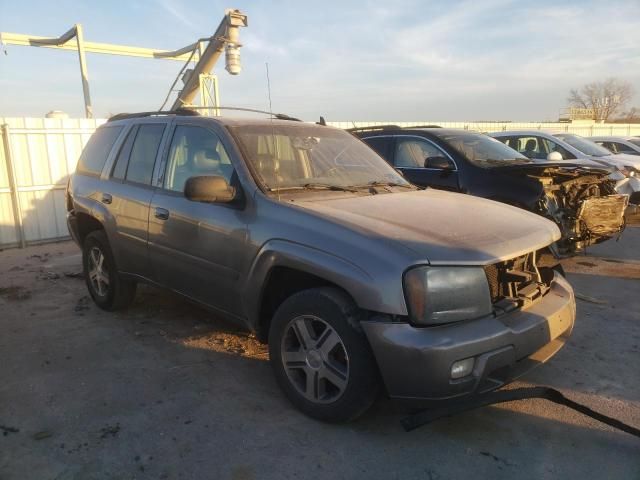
<point>13,186</point>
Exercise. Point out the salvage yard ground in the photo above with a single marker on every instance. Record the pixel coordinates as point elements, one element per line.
<point>165,390</point>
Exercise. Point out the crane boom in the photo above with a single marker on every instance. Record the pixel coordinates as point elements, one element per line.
<point>226,35</point>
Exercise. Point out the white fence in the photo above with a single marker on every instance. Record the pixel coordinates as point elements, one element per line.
<point>586,129</point>
<point>37,155</point>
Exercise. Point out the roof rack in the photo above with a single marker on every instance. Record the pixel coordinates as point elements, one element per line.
<point>372,128</point>
<point>193,112</point>
<point>423,126</point>
<point>279,116</point>
<point>179,111</point>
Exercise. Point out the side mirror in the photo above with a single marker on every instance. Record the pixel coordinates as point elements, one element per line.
<point>441,163</point>
<point>554,157</point>
<point>209,189</point>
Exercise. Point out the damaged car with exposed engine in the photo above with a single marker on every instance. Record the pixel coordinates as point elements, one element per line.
<point>578,196</point>
<point>359,281</point>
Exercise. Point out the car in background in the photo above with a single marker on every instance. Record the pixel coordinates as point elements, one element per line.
<point>538,145</point>
<point>625,145</point>
<point>579,197</point>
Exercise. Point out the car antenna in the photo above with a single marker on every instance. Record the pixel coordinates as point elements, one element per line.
<point>273,135</point>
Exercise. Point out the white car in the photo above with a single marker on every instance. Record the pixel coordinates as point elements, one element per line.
<point>624,145</point>
<point>543,146</point>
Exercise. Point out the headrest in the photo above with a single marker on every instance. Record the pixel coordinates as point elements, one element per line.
<point>206,158</point>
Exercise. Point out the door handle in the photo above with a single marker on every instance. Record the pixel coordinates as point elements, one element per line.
<point>107,198</point>
<point>162,214</point>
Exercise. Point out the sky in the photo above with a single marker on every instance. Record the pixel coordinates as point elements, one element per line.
<point>348,61</point>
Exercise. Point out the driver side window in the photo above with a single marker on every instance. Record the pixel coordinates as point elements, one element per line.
<point>417,153</point>
<point>195,151</point>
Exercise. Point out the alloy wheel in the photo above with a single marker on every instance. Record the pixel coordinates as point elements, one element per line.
<point>315,359</point>
<point>98,274</point>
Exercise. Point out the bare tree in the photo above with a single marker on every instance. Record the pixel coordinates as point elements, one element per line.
<point>605,98</point>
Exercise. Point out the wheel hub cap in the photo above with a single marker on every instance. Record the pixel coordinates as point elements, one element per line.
<point>315,359</point>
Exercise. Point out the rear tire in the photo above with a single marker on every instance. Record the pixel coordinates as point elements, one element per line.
<point>321,357</point>
<point>106,286</point>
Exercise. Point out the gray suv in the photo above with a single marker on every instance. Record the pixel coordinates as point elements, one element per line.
<point>357,279</point>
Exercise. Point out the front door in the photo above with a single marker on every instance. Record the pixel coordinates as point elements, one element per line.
<point>423,163</point>
<point>196,248</point>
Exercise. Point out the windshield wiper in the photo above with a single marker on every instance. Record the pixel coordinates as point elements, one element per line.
<point>378,183</point>
<point>315,186</point>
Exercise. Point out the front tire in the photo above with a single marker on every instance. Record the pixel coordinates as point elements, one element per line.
<point>321,357</point>
<point>107,288</point>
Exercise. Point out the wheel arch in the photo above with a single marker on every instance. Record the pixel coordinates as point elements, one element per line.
<point>283,268</point>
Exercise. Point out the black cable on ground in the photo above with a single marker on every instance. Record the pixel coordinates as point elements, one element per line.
<point>501,396</point>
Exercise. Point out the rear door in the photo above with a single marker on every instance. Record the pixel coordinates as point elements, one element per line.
<point>424,163</point>
<point>197,248</point>
<point>128,193</point>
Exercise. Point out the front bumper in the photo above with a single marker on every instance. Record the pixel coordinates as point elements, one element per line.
<point>415,363</point>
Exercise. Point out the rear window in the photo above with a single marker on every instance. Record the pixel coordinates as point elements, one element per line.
<point>97,150</point>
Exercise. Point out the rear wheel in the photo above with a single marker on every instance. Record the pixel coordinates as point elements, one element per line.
<point>321,357</point>
<point>107,288</point>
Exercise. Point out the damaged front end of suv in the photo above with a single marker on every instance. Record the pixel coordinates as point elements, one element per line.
<point>583,203</point>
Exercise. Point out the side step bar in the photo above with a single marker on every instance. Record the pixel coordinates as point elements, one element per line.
<point>501,396</point>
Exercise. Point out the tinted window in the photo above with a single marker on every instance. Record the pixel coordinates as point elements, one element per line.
<point>585,146</point>
<point>622,148</point>
<point>195,151</point>
<point>97,150</point>
<point>120,168</point>
<point>481,150</point>
<point>380,145</point>
<point>415,153</point>
<point>143,153</point>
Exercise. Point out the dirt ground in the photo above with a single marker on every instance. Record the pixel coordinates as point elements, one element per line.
<point>165,390</point>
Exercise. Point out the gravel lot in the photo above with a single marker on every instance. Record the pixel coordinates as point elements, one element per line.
<point>165,390</point>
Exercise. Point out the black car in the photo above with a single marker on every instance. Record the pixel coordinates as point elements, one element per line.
<point>580,199</point>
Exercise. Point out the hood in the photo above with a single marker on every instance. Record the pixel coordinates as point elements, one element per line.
<point>442,227</point>
<point>582,166</point>
<point>619,160</point>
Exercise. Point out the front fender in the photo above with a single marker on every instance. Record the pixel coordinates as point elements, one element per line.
<point>360,284</point>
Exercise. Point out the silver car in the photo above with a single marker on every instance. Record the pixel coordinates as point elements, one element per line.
<point>539,145</point>
<point>623,145</point>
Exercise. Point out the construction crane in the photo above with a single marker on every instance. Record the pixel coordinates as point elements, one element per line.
<point>225,38</point>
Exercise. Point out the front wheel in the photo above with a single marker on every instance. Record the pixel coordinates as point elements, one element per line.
<point>107,288</point>
<point>321,357</point>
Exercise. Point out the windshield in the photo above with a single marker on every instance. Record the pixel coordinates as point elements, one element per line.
<point>585,146</point>
<point>635,141</point>
<point>483,151</point>
<point>306,156</point>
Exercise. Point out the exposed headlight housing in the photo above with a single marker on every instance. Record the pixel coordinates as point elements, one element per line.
<point>437,295</point>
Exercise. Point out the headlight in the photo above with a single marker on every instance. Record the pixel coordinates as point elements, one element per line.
<point>437,295</point>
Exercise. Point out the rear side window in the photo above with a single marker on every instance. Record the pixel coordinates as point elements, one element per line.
<point>122,160</point>
<point>97,150</point>
<point>143,153</point>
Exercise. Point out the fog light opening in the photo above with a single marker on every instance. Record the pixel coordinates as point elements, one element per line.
<point>462,368</point>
